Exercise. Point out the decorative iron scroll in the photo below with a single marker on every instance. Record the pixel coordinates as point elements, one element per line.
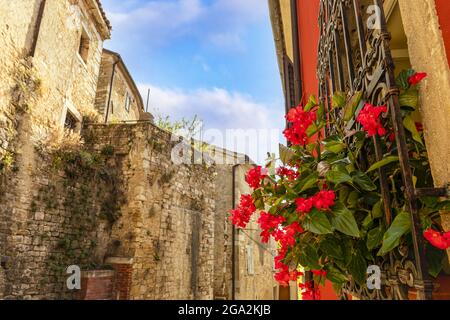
<point>354,55</point>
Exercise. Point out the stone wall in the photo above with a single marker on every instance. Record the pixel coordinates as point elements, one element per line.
<point>119,196</point>
<point>167,225</point>
<point>252,282</point>
<point>255,260</point>
<point>427,54</point>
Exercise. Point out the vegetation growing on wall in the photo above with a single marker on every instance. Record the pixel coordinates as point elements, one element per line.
<point>24,93</point>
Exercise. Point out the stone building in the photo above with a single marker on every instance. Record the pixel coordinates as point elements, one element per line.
<point>248,273</point>
<point>107,197</point>
<point>118,98</point>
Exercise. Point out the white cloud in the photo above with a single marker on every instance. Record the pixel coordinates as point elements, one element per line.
<point>222,23</point>
<point>222,110</point>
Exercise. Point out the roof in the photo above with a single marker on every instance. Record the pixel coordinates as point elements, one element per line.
<point>127,75</point>
<point>278,34</point>
<point>101,20</point>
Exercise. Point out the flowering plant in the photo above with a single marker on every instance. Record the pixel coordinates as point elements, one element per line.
<point>324,205</point>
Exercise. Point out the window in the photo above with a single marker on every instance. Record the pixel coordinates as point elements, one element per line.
<point>83,49</point>
<point>289,82</point>
<point>71,122</point>
<point>127,102</point>
<point>250,264</point>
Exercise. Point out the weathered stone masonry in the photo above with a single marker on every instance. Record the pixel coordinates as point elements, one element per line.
<point>118,199</point>
<point>165,222</point>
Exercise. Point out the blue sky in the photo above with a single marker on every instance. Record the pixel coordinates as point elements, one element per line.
<point>213,58</point>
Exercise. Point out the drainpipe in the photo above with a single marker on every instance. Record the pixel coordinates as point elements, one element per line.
<point>37,29</point>
<point>233,236</point>
<point>295,44</point>
<point>110,89</point>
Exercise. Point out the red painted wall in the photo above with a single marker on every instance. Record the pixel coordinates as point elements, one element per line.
<point>308,14</point>
<point>443,10</point>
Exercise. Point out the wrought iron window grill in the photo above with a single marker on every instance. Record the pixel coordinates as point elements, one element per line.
<point>354,56</point>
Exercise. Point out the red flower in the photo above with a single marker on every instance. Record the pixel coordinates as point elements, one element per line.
<point>255,175</point>
<point>438,240</point>
<point>324,200</point>
<point>417,78</point>
<point>286,236</point>
<point>369,118</point>
<point>300,121</point>
<point>419,127</point>
<point>288,173</point>
<point>319,273</point>
<point>268,224</point>
<point>391,137</point>
<point>309,292</point>
<point>284,275</point>
<point>241,216</point>
<point>304,205</point>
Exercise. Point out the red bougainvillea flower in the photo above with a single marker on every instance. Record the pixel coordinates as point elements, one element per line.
<point>241,216</point>
<point>304,205</point>
<point>309,292</point>
<point>319,273</point>
<point>299,120</point>
<point>288,173</point>
<point>255,175</point>
<point>269,223</point>
<point>419,127</point>
<point>284,275</point>
<point>324,199</point>
<point>391,137</point>
<point>438,240</point>
<point>286,236</point>
<point>369,118</point>
<point>417,78</point>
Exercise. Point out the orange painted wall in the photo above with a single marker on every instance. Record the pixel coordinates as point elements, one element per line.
<point>308,13</point>
<point>443,10</point>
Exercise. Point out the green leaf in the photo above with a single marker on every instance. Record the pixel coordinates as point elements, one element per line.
<point>337,177</point>
<point>286,154</point>
<point>377,210</point>
<point>309,258</point>
<point>402,79</point>
<point>309,182</point>
<point>317,222</point>
<point>358,267</point>
<point>383,163</point>
<point>363,181</point>
<point>320,111</point>
<point>368,221</point>
<point>343,220</point>
<point>409,98</point>
<point>334,144</point>
<point>312,102</point>
<point>410,125</point>
<point>335,147</point>
<point>434,258</point>
<point>331,248</point>
<point>391,239</point>
<point>375,237</point>
<point>338,100</point>
<point>352,105</point>
<point>335,276</point>
<point>353,198</point>
<point>312,130</point>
